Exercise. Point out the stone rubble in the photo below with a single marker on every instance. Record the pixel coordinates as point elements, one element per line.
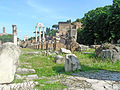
<point>82,48</point>
<point>19,76</point>
<point>59,59</point>
<point>65,51</point>
<point>28,82</point>
<point>110,54</point>
<point>9,60</point>
<point>89,80</point>
<point>25,71</point>
<point>32,77</point>
<point>28,77</point>
<point>71,63</point>
<point>34,53</point>
<point>108,51</point>
<point>19,86</point>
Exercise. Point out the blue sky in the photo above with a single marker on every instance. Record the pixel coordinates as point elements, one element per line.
<point>27,13</point>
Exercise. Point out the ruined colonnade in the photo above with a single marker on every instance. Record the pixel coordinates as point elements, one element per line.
<point>39,25</point>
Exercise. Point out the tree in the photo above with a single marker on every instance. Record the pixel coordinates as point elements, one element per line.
<point>47,31</point>
<point>116,3</point>
<point>6,38</point>
<point>69,21</point>
<point>114,21</point>
<point>52,32</point>
<point>31,38</point>
<point>96,27</point>
<point>55,26</point>
<point>78,20</point>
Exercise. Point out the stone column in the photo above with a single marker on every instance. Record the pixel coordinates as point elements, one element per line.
<point>36,34</point>
<point>14,34</point>
<point>40,34</point>
<point>43,34</point>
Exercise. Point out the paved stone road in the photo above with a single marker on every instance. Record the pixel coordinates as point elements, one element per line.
<point>100,80</point>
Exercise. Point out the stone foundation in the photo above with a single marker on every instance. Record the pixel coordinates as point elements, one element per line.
<point>58,45</point>
<point>47,46</point>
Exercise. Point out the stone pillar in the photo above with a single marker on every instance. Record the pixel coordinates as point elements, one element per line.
<point>43,34</point>
<point>36,34</point>
<point>14,34</point>
<point>40,34</point>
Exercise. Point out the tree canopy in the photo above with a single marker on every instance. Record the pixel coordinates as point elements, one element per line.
<point>55,26</point>
<point>50,32</point>
<point>101,25</point>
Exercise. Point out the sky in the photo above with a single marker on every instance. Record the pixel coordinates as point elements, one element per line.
<point>27,13</point>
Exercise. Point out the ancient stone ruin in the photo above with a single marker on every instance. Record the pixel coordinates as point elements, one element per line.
<point>9,60</point>
<point>4,32</point>
<point>72,63</point>
<point>59,59</point>
<point>108,51</point>
<point>14,34</point>
<point>65,37</point>
<point>39,25</point>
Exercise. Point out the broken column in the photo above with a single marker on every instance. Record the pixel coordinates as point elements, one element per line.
<point>14,34</point>
<point>43,34</point>
<point>36,34</point>
<point>40,34</point>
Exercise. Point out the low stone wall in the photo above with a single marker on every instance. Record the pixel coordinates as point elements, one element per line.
<point>47,46</point>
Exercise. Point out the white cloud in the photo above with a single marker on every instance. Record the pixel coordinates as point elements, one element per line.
<point>35,17</point>
<point>39,8</point>
<point>60,17</point>
<point>44,10</point>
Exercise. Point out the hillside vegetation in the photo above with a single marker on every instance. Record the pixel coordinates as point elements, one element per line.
<point>6,38</point>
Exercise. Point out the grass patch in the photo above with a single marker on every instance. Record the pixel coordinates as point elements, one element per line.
<point>17,80</point>
<point>91,62</point>
<point>46,86</point>
<point>46,66</point>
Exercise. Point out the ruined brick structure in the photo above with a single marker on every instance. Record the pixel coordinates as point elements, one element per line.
<point>65,37</point>
<point>63,27</point>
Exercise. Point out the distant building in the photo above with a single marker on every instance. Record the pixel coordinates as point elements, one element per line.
<point>63,27</point>
<point>4,33</point>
